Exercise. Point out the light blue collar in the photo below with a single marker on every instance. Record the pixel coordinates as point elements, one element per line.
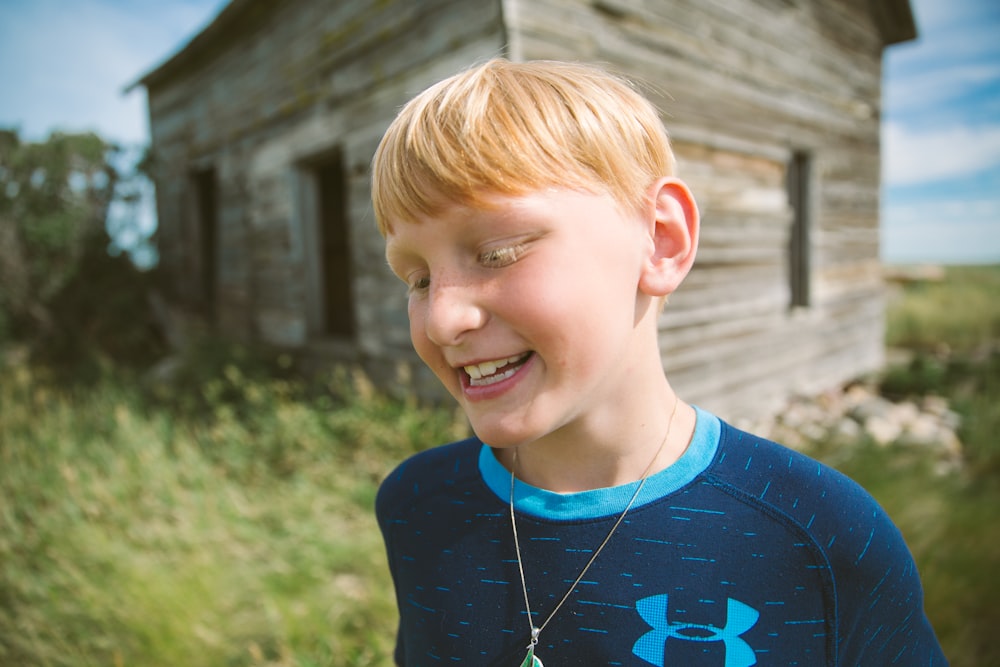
<point>611,500</point>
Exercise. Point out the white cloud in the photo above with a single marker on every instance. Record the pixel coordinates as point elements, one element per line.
<point>934,89</point>
<point>911,157</point>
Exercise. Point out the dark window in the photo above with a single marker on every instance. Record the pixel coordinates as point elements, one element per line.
<point>799,255</point>
<point>336,299</point>
<point>206,210</point>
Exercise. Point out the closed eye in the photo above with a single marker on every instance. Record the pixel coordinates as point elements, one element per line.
<point>417,283</point>
<point>496,258</point>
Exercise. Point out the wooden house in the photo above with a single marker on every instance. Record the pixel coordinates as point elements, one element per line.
<point>264,124</point>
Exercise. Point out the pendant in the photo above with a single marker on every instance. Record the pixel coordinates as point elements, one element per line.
<point>531,660</point>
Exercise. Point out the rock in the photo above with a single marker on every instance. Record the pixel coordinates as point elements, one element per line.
<point>904,413</point>
<point>936,405</point>
<point>849,416</point>
<point>882,429</point>
<point>855,395</point>
<point>814,432</point>
<point>872,406</point>
<point>846,431</point>
<point>788,436</point>
<point>923,431</point>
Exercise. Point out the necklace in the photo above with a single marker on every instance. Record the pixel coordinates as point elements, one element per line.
<point>530,659</point>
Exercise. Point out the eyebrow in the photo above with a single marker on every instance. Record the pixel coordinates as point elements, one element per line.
<point>393,250</point>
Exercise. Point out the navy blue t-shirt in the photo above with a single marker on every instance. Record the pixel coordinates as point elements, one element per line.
<point>742,552</point>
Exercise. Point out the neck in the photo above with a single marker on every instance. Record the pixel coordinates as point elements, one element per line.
<point>590,456</point>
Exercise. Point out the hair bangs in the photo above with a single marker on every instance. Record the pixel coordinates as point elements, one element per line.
<point>512,128</point>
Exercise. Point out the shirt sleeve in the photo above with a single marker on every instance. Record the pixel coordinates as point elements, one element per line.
<point>881,598</point>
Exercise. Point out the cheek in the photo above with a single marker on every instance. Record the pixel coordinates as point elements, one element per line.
<point>575,313</point>
<point>417,335</point>
<point>425,349</point>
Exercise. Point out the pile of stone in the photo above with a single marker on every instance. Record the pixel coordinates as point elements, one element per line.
<point>857,414</point>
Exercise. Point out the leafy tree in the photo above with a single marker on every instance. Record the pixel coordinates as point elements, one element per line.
<point>55,196</point>
<point>59,287</point>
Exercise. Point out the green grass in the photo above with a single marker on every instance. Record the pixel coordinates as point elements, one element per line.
<point>960,313</point>
<point>952,330</point>
<point>192,529</point>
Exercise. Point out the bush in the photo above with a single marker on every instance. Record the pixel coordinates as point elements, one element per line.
<point>63,295</point>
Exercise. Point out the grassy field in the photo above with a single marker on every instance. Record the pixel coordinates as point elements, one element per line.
<point>229,523</point>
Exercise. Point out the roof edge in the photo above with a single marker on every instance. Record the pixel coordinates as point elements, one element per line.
<point>895,20</point>
<point>230,15</point>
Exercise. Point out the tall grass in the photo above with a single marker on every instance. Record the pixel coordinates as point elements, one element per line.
<point>960,313</point>
<point>227,525</point>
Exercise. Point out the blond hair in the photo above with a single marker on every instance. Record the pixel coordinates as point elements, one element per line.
<point>512,128</point>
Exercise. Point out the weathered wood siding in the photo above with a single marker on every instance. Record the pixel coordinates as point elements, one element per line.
<point>290,83</point>
<point>744,85</point>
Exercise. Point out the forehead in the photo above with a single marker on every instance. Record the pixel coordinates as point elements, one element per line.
<point>411,237</point>
<point>454,220</point>
<point>469,224</point>
<point>498,215</point>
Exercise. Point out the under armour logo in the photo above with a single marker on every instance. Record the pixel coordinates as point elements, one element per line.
<point>651,647</point>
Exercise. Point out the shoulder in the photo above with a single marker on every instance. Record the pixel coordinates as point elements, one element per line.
<point>785,480</point>
<point>426,475</point>
<point>876,595</point>
<point>834,512</point>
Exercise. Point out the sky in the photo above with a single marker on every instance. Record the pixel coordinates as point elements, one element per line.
<point>64,65</point>
<point>941,136</point>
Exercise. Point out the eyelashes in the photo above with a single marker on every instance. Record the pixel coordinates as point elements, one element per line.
<point>418,284</point>
<point>493,258</point>
<point>499,257</point>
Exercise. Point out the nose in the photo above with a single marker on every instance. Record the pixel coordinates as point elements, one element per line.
<point>452,310</point>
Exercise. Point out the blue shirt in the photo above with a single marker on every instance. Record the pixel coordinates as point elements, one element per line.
<point>741,552</point>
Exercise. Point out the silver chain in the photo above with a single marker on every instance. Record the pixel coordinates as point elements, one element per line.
<point>537,630</point>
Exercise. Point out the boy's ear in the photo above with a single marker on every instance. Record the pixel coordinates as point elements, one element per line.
<point>673,227</point>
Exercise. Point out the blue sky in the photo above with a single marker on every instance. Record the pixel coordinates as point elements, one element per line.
<point>941,136</point>
<point>64,64</point>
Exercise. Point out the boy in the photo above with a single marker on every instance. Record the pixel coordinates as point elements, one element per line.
<point>596,519</point>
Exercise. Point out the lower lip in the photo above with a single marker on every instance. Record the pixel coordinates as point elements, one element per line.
<point>496,389</point>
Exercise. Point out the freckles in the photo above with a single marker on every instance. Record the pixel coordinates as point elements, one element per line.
<point>423,348</point>
<point>416,318</point>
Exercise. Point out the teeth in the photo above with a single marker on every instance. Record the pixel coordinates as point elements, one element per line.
<point>487,368</point>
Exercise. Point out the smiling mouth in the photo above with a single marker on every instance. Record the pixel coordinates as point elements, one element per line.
<point>491,372</point>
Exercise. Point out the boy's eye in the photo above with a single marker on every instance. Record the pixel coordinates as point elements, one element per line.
<point>418,283</point>
<point>499,257</point>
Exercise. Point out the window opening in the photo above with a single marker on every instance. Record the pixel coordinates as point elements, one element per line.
<point>206,202</point>
<point>799,255</point>
<point>335,281</point>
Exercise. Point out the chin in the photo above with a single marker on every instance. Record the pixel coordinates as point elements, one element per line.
<point>506,433</point>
